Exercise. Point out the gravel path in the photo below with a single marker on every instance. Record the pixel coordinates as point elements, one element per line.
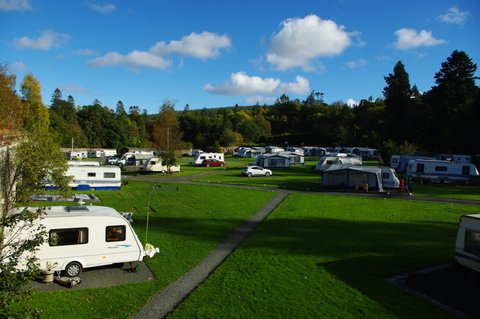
<point>166,300</point>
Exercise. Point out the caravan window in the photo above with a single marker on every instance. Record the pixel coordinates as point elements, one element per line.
<point>108,175</point>
<point>472,242</point>
<point>420,168</point>
<point>91,174</point>
<point>115,233</point>
<point>68,236</point>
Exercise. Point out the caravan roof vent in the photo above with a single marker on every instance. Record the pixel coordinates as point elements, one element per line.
<point>77,208</point>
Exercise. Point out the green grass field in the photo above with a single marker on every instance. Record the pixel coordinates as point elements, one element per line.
<point>323,256</point>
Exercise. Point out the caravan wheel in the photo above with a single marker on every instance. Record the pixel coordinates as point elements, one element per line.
<point>73,269</point>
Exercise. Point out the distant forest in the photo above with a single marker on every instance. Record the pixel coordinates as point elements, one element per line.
<point>443,120</point>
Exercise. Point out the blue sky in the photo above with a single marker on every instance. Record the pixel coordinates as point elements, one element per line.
<point>222,53</point>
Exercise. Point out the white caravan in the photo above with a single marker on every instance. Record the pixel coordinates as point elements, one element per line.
<point>129,158</point>
<point>441,171</point>
<point>154,165</point>
<point>389,178</point>
<point>79,237</point>
<point>467,244</point>
<point>337,158</point>
<point>198,160</point>
<point>89,177</point>
<point>400,162</point>
<point>83,163</point>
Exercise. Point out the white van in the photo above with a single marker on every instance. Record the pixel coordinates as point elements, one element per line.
<point>467,245</point>
<point>79,237</point>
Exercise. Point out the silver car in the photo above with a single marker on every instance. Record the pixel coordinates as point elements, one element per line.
<point>255,171</point>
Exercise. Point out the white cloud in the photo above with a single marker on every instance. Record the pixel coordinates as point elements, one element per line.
<point>47,40</point>
<point>352,102</point>
<point>355,64</point>
<point>17,67</point>
<point>132,61</point>
<point>411,39</point>
<point>242,84</point>
<point>15,5</point>
<point>300,86</point>
<point>103,8</point>
<point>205,45</point>
<point>301,41</point>
<point>454,16</point>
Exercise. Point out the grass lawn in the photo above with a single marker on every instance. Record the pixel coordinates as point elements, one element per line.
<point>447,191</point>
<point>186,224</point>
<point>299,177</point>
<point>325,256</point>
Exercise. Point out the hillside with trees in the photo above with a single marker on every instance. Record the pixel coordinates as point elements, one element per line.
<point>439,120</point>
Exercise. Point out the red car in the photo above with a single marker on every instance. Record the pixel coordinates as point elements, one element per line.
<point>212,162</point>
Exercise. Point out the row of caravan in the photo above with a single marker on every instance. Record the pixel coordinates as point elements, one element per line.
<point>146,162</point>
<point>90,175</point>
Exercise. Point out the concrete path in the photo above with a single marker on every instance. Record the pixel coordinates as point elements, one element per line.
<point>166,300</point>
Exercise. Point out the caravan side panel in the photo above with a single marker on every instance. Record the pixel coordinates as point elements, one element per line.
<point>93,177</point>
<point>467,245</point>
<point>89,243</point>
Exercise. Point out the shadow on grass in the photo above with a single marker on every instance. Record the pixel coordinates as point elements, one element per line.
<point>423,241</point>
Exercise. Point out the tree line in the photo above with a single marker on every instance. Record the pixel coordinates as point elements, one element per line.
<point>442,119</point>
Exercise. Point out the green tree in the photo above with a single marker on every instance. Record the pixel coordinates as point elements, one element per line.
<point>138,130</point>
<point>169,159</point>
<point>64,122</point>
<point>397,95</point>
<point>37,113</point>
<point>26,163</point>
<point>166,134</point>
<point>12,111</point>
<point>452,104</point>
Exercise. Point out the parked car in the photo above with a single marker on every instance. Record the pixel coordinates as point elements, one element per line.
<point>112,160</point>
<point>212,162</point>
<point>255,171</point>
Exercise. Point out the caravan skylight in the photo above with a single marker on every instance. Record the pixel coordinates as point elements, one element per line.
<point>77,208</point>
